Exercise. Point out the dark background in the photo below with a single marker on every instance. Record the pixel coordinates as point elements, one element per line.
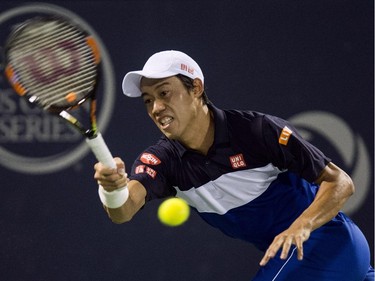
<point>280,57</point>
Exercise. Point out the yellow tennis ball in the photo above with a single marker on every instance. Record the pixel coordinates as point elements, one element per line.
<point>173,211</point>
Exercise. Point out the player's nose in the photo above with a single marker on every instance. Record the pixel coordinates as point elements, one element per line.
<point>158,106</point>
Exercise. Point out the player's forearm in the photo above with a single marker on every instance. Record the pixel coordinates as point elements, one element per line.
<point>120,215</point>
<point>135,201</point>
<point>335,189</point>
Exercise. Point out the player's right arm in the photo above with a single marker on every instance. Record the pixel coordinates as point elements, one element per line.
<point>112,179</point>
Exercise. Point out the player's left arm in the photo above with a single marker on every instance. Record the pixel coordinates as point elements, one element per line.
<point>335,189</point>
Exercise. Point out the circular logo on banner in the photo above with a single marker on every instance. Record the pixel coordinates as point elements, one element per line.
<point>342,143</point>
<point>35,142</point>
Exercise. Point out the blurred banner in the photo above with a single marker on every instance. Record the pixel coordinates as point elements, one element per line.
<point>309,61</point>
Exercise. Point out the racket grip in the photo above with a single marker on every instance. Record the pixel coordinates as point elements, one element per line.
<point>101,151</point>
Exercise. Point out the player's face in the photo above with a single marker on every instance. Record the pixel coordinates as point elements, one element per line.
<point>173,108</point>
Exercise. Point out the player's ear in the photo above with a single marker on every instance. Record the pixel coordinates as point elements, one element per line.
<point>198,87</point>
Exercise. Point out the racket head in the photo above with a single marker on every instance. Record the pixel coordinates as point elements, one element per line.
<point>52,62</point>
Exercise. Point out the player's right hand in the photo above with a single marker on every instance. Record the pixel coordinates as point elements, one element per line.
<point>111,179</point>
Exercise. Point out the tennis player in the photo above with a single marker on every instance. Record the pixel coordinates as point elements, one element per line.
<point>249,174</point>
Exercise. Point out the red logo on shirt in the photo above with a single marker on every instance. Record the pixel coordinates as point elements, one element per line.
<point>150,159</point>
<point>237,161</point>
<point>140,169</point>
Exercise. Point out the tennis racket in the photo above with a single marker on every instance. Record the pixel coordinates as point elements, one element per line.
<point>55,64</point>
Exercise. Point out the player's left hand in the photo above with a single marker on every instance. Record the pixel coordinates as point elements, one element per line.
<point>296,235</point>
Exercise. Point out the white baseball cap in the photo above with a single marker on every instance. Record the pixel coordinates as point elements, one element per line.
<point>161,65</point>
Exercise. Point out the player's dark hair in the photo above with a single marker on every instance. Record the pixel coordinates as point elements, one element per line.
<point>189,85</point>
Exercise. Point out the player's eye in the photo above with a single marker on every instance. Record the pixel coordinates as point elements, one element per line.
<point>146,101</point>
<point>164,94</point>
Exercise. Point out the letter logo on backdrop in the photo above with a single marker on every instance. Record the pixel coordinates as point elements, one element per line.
<point>32,141</point>
<point>331,131</point>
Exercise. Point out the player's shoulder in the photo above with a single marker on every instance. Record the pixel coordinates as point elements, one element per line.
<point>254,125</point>
<point>250,116</point>
<point>164,150</point>
<point>240,119</point>
<point>255,119</point>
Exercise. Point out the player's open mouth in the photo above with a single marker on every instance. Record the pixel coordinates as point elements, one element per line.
<point>165,121</point>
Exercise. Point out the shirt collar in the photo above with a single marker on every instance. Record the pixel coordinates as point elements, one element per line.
<point>221,130</point>
<point>221,126</point>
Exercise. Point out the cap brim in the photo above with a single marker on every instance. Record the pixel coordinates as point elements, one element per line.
<point>130,84</point>
<point>131,81</point>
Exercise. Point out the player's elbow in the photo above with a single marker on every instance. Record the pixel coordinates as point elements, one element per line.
<point>350,188</point>
<point>340,179</point>
<point>345,187</point>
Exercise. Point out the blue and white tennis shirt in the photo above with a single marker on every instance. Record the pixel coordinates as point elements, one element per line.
<point>252,184</point>
<point>256,179</point>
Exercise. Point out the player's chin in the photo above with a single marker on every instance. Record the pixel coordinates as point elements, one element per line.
<point>169,135</point>
<point>168,132</point>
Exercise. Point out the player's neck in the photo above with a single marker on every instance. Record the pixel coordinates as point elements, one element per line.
<point>202,137</point>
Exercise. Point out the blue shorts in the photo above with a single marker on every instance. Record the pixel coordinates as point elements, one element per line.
<point>338,251</point>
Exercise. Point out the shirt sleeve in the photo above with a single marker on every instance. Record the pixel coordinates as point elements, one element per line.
<point>150,170</point>
<point>288,150</point>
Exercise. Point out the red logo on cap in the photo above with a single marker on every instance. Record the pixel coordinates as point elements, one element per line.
<point>150,159</point>
<point>186,68</point>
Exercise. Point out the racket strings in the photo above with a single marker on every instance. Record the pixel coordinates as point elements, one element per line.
<point>54,60</point>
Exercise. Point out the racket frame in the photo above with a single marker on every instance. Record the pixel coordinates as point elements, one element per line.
<point>93,137</point>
